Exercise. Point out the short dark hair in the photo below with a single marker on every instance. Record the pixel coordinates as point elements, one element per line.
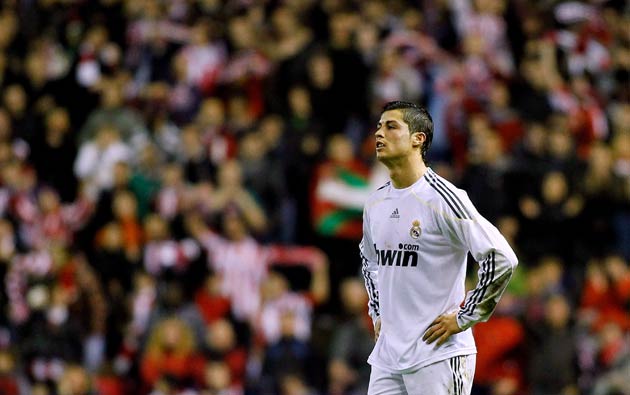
<point>417,119</point>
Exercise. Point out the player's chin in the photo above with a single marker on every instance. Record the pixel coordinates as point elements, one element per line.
<point>383,157</point>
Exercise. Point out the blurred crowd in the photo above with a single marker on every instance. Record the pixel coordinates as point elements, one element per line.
<point>182,181</point>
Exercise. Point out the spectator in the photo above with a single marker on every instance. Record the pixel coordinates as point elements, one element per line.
<point>530,92</point>
<point>561,147</point>
<point>289,46</point>
<point>55,151</point>
<point>217,139</point>
<point>352,343</point>
<point>201,61</point>
<point>8,373</point>
<point>115,274</point>
<point>486,176</point>
<point>75,381</point>
<point>621,169</point>
<point>600,187</point>
<point>96,159</point>
<point>73,276</point>
<point>193,156</point>
<point>8,249</point>
<point>171,195</point>
<point>167,259</point>
<point>217,380</point>
<point>302,144</point>
<point>553,371</point>
<point>289,355</point>
<point>48,221</point>
<point>185,97</point>
<point>503,116</point>
<point>613,360</point>
<point>278,299</point>
<point>262,174</point>
<point>551,215</point>
<point>320,79</point>
<point>231,194</point>
<point>15,100</point>
<point>294,384</point>
<point>125,211</point>
<point>212,304</point>
<point>606,291</point>
<point>171,351</point>
<point>116,116</point>
<point>221,346</point>
<point>396,79</point>
<point>246,68</point>
<point>480,20</point>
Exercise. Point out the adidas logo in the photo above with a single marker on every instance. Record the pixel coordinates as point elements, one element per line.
<point>395,214</point>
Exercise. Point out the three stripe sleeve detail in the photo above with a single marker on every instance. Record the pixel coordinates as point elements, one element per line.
<point>486,279</point>
<point>448,195</point>
<point>369,284</point>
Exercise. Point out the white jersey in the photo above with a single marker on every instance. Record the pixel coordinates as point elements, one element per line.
<point>414,251</point>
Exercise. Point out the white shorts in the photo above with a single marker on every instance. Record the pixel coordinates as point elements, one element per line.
<point>453,376</point>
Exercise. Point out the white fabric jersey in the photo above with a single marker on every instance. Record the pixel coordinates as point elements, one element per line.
<point>414,251</point>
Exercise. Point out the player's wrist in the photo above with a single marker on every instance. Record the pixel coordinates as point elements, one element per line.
<point>463,323</point>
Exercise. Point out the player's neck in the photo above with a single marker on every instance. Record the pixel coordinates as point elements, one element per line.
<point>406,173</point>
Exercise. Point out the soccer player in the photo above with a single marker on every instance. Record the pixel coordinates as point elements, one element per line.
<point>417,231</point>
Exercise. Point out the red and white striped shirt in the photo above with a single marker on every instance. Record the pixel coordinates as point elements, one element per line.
<point>38,228</point>
<point>243,265</point>
<point>37,264</point>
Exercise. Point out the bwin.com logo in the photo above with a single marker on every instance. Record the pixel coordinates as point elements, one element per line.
<point>405,256</point>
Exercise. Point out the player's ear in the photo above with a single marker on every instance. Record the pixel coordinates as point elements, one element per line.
<point>417,139</point>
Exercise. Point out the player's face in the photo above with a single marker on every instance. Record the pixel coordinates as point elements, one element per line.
<point>393,139</point>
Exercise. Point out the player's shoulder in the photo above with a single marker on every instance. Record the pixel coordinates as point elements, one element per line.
<point>379,194</point>
<point>380,191</point>
<point>442,193</point>
<point>434,178</point>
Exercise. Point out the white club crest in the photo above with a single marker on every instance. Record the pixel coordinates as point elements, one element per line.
<point>415,230</point>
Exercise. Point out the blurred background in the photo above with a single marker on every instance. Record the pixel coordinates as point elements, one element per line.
<point>181,187</point>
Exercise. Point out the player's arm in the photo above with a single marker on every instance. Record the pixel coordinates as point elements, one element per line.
<point>369,268</point>
<point>469,230</point>
<point>496,258</point>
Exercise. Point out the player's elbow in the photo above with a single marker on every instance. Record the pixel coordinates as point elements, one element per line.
<point>510,266</point>
<point>513,260</point>
<point>505,259</point>
<point>510,259</point>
